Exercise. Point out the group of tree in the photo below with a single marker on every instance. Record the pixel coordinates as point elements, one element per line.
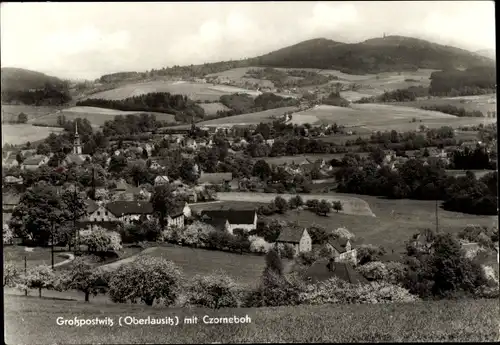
<point>131,124</point>
<point>242,103</point>
<point>452,110</point>
<point>473,81</point>
<point>468,159</point>
<point>281,79</point>
<point>415,180</point>
<point>162,102</point>
<point>49,95</point>
<point>399,95</point>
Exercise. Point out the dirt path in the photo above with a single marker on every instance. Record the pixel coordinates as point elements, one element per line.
<point>116,264</point>
<point>351,205</point>
<point>70,258</point>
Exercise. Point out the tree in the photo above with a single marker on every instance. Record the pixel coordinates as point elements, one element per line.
<point>217,290</point>
<point>323,208</point>
<point>117,164</point>
<point>22,118</point>
<point>10,274</point>
<point>163,202</point>
<point>281,204</point>
<point>100,241</point>
<point>19,158</point>
<point>38,277</point>
<point>138,173</point>
<point>84,277</point>
<point>318,234</point>
<point>75,205</point>
<point>295,201</point>
<point>368,253</point>
<point>261,169</point>
<point>273,262</point>
<point>43,149</point>
<point>147,279</point>
<point>337,206</point>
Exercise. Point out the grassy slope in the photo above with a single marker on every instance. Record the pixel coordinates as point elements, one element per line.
<point>20,134</point>
<point>38,256</point>
<point>31,320</point>
<point>252,118</point>
<point>483,103</point>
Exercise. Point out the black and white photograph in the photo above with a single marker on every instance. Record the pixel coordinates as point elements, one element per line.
<point>249,172</point>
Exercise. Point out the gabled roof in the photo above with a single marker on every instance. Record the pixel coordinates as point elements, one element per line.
<point>122,185</point>
<point>215,178</point>
<point>121,208</point>
<point>232,216</point>
<point>72,158</point>
<point>339,244</point>
<point>319,271</point>
<point>34,160</point>
<point>291,234</point>
<point>91,206</point>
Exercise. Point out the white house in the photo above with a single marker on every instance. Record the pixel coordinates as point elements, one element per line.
<point>34,162</point>
<point>296,237</point>
<point>159,180</point>
<point>186,210</point>
<point>129,211</point>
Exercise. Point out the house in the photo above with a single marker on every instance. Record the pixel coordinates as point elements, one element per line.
<point>155,165</point>
<point>231,219</point>
<point>34,162</point>
<point>325,269</point>
<point>297,237</point>
<point>159,180</point>
<point>9,202</point>
<point>12,180</point>
<point>270,142</point>
<point>186,210</point>
<point>176,218</point>
<point>129,211</point>
<point>101,214</point>
<point>215,178</point>
<point>342,250</point>
<point>10,163</point>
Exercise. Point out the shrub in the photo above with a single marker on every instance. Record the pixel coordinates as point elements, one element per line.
<point>82,276</point>
<point>295,201</point>
<point>281,205</point>
<point>148,279</point>
<point>312,204</point>
<point>323,208</point>
<point>337,206</point>
<point>396,272</point>
<point>343,233</point>
<point>259,245</point>
<point>38,277</point>
<point>339,291</point>
<point>368,253</point>
<point>306,258</point>
<point>100,240</point>
<point>318,234</point>
<point>10,274</point>
<point>275,290</point>
<point>287,251</point>
<point>7,235</point>
<point>215,291</point>
<point>196,233</point>
<point>374,271</point>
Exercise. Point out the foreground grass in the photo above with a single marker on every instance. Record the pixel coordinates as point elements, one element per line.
<point>39,256</point>
<point>32,320</point>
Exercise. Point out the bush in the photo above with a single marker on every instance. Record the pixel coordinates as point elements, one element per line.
<point>196,234</point>
<point>100,240</point>
<point>287,251</point>
<point>82,276</point>
<point>148,279</point>
<point>306,258</point>
<point>396,272</point>
<point>10,274</point>
<point>343,233</point>
<point>7,235</point>
<point>275,290</point>
<point>312,204</point>
<point>374,271</point>
<point>318,234</point>
<point>215,291</point>
<point>368,253</point>
<point>295,202</point>
<point>259,245</point>
<point>338,291</point>
<point>281,205</point>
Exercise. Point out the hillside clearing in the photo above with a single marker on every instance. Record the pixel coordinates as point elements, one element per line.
<point>265,116</point>
<point>465,320</point>
<point>213,108</point>
<point>352,205</point>
<point>96,116</point>
<point>22,133</point>
<point>10,112</point>
<point>483,103</point>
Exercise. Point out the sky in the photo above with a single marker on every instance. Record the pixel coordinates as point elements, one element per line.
<point>87,40</point>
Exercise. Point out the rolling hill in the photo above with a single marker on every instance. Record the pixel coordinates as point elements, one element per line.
<point>391,53</point>
<point>19,79</point>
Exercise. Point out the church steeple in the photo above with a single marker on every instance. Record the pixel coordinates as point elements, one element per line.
<point>77,145</point>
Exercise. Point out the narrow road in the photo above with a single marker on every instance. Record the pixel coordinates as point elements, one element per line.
<point>70,258</point>
<point>116,264</point>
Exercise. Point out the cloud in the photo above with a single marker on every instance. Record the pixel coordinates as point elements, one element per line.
<point>326,18</point>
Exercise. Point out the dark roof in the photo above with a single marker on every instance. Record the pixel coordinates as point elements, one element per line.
<point>120,208</point>
<point>91,206</point>
<point>10,199</point>
<point>233,216</point>
<point>339,244</point>
<point>319,271</point>
<point>109,225</point>
<point>291,234</point>
<point>179,211</point>
<point>215,178</point>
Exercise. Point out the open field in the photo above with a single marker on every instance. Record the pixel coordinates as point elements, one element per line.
<point>195,91</point>
<point>96,116</point>
<point>483,103</point>
<point>213,108</point>
<point>30,320</point>
<point>372,117</point>
<point>22,133</point>
<point>245,269</point>
<point>352,205</point>
<point>251,118</point>
<point>10,112</point>
<point>395,222</point>
<point>38,256</point>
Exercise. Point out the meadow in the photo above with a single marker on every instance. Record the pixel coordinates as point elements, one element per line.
<point>212,108</point>
<point>10,112</point>
<point>374,117</point>
<point>38,256</point>
<point>96,116</point>
<point>352,205</point>
<point>30,320</point>
<point>22,133</point>
<point>195,91</point>
<point>483,103</point>
<point>265,116</point>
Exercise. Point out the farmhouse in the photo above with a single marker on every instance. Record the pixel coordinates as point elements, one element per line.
<point>129,211</point>
<point>176,218</point>
<point>34,162</point>
<point>159,180</point>
<point>231,219</point>
<point>215,178</point>
<point>342,250</point>
<point>297,237</point>
<point>325,269</point>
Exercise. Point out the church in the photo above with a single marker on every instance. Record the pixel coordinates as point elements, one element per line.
<point>76,156</point>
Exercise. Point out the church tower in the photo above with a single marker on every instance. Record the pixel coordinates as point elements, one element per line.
<point>77,145</point>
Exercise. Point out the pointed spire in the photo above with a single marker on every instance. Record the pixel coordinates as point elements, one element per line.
<point>76,128</point>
